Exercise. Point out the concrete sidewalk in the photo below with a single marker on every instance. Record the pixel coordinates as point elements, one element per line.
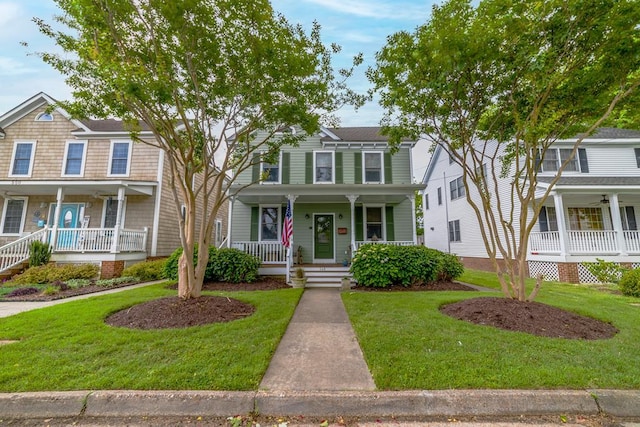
<point>319,350</point>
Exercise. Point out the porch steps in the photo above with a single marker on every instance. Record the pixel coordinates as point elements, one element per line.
<point>324,276</point>
<point>16,269</point>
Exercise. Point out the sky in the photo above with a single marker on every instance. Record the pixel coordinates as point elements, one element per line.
<point>356,25</point>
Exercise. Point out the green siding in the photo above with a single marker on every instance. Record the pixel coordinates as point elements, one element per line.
<point>402,217</point>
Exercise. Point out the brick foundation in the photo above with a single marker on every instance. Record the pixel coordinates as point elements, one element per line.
<point>568,272</point>
<point>111,269</point>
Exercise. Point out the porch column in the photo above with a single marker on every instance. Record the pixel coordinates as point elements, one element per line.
<point>412,199</point>
<point>562,226</point>
<point>352,199</point>
<point>116,229</point>
<point>232,200</point>
<point>614,209</point>
<point>56,218</point>
<point>424,217</point>
<point>292,199</point>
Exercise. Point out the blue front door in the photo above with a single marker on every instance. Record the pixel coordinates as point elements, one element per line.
<point>69,213</point>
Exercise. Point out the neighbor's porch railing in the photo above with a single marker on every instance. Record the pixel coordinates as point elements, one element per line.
<point>267,252</point>
<point>600,242</point>
<point>392,242</point>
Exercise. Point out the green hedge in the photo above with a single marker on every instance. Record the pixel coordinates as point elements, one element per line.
<point>224,265</point>
<point>51,272</point>
<point>630,283</point>
<point>146,271</point>
<point>382,265</point>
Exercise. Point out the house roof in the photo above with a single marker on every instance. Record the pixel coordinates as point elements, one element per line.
<point>613,133</point>
<point>110,125</point>
<point>356,134</point>
<point>39,100</point>
<point>593,180</point>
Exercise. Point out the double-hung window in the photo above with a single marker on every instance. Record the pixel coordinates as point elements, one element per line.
<point>373,167</point>
<point>270,223</point>
<point>13,215</point>
<point>120,158</point>
<point>110,212</point>
<point>456,188</point>
<point>74,156</point>
<point>454,231</point>
<point>374,223</point>
<point>22,159</point>
<point>270,172</point>
<point>555,157</point>
<point>323,167</point>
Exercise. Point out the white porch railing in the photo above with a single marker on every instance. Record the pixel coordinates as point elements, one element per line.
<point>267,252</point>
<point>17,252</point>
<point>547,242</point>
<point>632,241</point>
<point>600,242</point>
<point>99,240</point>
<point>393,242</point>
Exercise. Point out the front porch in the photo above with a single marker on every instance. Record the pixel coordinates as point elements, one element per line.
<point>590,242</point>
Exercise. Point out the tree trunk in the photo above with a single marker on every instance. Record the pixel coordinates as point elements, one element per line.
<point>186,282</point>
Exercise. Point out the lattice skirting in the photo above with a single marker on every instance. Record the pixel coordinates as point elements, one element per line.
<point>635,265</point>
<point>549,270</point>
<point>585,276</point>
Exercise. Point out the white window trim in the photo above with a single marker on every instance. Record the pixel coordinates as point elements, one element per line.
<point>458,187</point>
<point>22,221</point>
<point>66,154</point>
<point>262,163</point>
<point>218,236</point>
<point>453,221</point>
<point>279,222</point>
<point>39,117</point>
<point>104,210</point>
<point>384,221</point>
<point>364,171</point>
<point>13,157</point>
<point>559,161</point>
<point>333,167</point>
<point>113,143</point>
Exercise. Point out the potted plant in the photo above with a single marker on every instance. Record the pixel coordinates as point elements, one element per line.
<point>299,279</point>
<point>346,283</point>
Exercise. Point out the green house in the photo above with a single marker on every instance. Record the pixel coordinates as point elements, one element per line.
<point>345,188</point>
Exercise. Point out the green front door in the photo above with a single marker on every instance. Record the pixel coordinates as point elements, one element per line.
<point>323,237</point>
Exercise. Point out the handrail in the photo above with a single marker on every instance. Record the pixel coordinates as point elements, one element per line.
<point>17,252</point>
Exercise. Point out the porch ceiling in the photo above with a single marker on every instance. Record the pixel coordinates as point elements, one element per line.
<point>75,188</point>
<point>334,193</point>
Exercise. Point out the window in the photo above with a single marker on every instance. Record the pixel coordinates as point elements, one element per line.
<point>270,172</point>
<point>13,215</point>
<point>218,233</point>
<point>456,188</point>
<point>110,213</point>
<point>548,221</point>
<point>74,158</point>
<point>426,201</point>
<point>323,166</point>
<point>120,156</point>
<point>44,117</point>
<point>22,162</point>
<point>585,219</point>
<point>628,217</point>
<point>439,196</point>
<point>270,223</point>
<point>554,158</point>
<point>454,231</point>
<point>373,224</point>
<point>372,167</point>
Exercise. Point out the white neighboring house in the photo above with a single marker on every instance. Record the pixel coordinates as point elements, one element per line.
<point>591,212</point>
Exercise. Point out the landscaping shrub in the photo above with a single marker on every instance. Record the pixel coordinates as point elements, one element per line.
<point>147,271</point>
<point>630,283</point>
<point>171,264</point>
<point>115,281</point>
<point>605,271</point>
<point>50,273</point>
<point>380,265</point>
<point>39,253</point>
<point>235,266</point>
<point>23,291</point>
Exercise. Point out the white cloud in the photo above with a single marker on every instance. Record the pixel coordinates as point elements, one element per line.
<point>11,67</point>
<point>375,9</point>
<point>9,13</point>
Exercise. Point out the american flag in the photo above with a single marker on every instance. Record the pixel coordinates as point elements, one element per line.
<point>287,228</point>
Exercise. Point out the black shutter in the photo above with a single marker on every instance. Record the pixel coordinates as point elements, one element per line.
<point>391,235</point>
<point>255,218</point>
<point>637,152</point>
<point>387,169</point>
<point>339,174</point>
<point>359,223</point>
<point>308,168</point>
<point>286,167</point>
<point>542,220</point>
<point>582,156</point>
<point>357,167</point>
<point>631,218</point>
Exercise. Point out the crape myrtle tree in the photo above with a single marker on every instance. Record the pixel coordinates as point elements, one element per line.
<point>496,85</point>
<point>203,75</point>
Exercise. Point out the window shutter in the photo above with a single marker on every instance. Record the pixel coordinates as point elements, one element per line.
<point>542,220</point>
<point>391,235</point>
<point>255,218</point>
<point>286,167</point>
<point>359,222</point>
<point>387,169</point>
<point>637,152</point>
<point>357,167</point>
<point>255,173</point>
<point>538,161</point>
<point>584,165</point>
<point>339,175</point>
<point>631,218</point>
<point>308,168</point>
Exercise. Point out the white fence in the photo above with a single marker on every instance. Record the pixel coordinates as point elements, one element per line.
<point>267,252</point>
<point>600,242</point>
<point>99,240</point>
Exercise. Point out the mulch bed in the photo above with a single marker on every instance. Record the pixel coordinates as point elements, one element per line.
<point>435,286</point>
<point>89,289</point>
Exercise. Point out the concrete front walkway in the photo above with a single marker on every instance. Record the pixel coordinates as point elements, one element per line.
<point>319,350</point>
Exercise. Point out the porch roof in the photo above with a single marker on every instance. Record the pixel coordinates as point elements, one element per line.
<point>592,182</point>
<point>95,188</point>
<point>331,193</point>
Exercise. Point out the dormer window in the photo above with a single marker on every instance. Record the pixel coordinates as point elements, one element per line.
<point>44,117</point>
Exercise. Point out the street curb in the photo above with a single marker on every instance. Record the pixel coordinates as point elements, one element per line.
<point>120,403</point>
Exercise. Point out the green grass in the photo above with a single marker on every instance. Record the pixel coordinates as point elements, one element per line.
<point>408,344</point>
<point>69,347</point>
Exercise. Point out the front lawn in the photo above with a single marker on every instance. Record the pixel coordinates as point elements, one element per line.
<point>408,344</point>
<point>69,347</point>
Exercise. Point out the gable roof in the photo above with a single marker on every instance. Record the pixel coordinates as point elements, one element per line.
<point>110,125</point>
<point>613,133</point>
<point>356,134</point>
<point>37,101</point>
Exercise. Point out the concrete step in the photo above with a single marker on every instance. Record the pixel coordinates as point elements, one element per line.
<point>324,276</point>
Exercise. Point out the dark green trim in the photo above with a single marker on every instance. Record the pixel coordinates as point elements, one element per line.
<point>388,179</point>
<point>286,167</point>
<point>359,222</point>
<point>255,172</point>
<point>255,218</point>
<point>357,167</point>
<point>391,235</point>
<point>308,168</point>
<point>339,173</point>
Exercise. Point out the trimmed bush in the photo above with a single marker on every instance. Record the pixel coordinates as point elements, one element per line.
<point>381,265</point>
<point>234,266</point>
<point>51,273</point>
<point>39,253</point>
<point>23,291</point>
<point>630,283</point>
<point>147,271</point>
<point>171,264</point>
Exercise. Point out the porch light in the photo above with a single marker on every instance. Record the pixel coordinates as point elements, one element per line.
<point>306,216</point>
<point>604,200</point>
<point>339,216</point>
